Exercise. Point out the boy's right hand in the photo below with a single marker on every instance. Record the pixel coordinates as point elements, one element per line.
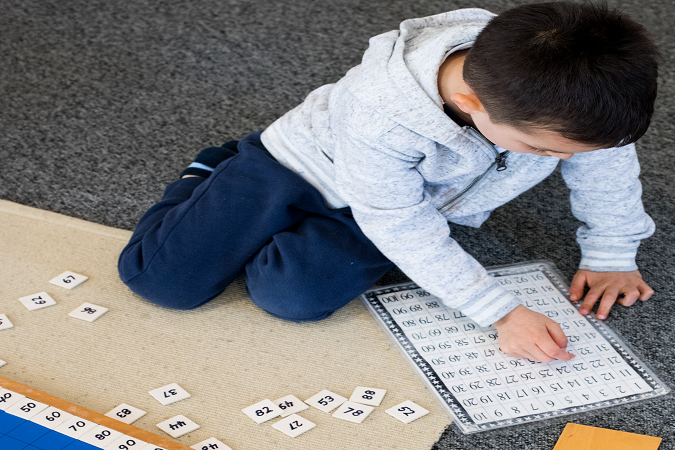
<point>528,334</point>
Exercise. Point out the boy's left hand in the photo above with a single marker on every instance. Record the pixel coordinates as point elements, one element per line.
<point>610,286</point>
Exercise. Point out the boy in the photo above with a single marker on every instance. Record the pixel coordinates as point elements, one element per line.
<point>444,120</point>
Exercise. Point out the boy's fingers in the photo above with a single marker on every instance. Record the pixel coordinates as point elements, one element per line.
<point>629,298</point>
<point>538,355</point>
<point>590,299</point>
<point>557,334</point>
<point>577,286</point>
<point>608,299</point>
<point>645,291</point>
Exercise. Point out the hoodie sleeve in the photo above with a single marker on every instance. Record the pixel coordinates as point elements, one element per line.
<point>606,195</point>
<point>387,197</point>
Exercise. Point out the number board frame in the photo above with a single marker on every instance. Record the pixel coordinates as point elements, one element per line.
<point>461,415</point>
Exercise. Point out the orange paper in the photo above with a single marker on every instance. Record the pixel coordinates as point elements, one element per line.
<point>583,437</point>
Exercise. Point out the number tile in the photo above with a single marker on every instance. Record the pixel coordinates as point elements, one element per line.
<point>368,396</point>
<point>126,413</point>
<point>209,444</point>
<point>353,412</point>
<point>262,411</point>
<point>8,398</point>
<point>51,417</point>
<point>5,323</point>
<point>171,393</point>
<point>26,408</point>
<point>125,442</point>
<point>75,427</point>
<point>37,301</point>
<point>177,426</point>
<point>290,405</point>
<point>68,279</point>
<point>2,363</point>
<point>407,411</point>
<point>294,425</point>
<point>151,447</point>
<point>88,312</point>
<point>325,400</point>
<point>100,436</point>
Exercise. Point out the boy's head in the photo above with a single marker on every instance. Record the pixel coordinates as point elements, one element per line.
<point>579,71</point>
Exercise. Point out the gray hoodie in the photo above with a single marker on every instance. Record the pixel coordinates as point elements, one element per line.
<point>379,141</point>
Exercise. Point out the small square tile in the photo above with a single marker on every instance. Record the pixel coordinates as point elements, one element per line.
<point>294,425</point>
<point>126,413</point>
<point>353,412</point>
<point>75,427</point>
<point>51,417</point>
<point>368,396</point>
<point>177,426</point>
<point>100,436</point>
<point>2,363</point>
<point>210,444</point>
<point>151,447</point>
<point>125,442</point>
<point>262,411</point>
<point>290,405</point>
<point>5,323</point>
<point>8,398</point>
<point>88,312</point>
<point>407,411</point>
<point>37,301</point>
<point>326,400</point>
<point>26,408</point>
<point>171,393</point>
<point>68,279</point>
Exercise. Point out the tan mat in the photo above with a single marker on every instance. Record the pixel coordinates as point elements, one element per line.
<point>228,354</point>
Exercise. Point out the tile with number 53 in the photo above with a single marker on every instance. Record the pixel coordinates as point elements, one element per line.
<point>326,400</point>
<point>37,301</point>
<point>88,312</point>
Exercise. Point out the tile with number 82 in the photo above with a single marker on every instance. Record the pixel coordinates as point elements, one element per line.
<point>407,411</point>
<point>368,396</point>
<point>37,301</point>
<point>326,400</point>
<point>353,412</point>
<point>68,279</point>
<point>88,312</point>
<point>294,425</point>
<point>262,411</point>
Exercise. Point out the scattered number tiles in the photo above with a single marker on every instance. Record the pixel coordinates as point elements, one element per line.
<point>484,389</point>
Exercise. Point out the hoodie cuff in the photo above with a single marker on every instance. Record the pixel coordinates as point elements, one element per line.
<point>603,261</point>
<point>491,307</point>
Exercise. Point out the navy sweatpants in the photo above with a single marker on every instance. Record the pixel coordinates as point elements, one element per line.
<point>301,259</point>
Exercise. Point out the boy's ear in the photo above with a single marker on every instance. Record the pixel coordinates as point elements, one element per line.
<point>468,103</point>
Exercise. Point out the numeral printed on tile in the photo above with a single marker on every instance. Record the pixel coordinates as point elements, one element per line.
<point>326,400</point>
<point>353,412</point>
<point>126,413</point>
<point>262,411</point>
<point>210,444</point>
<point>290,405</point>
<point>37,301</point>
<point>171,393</point>
<point>68,279</point>
<point>407,411</point>
<point>294,425</point>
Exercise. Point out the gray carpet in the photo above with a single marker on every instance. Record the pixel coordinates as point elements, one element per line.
<point>104,103</point>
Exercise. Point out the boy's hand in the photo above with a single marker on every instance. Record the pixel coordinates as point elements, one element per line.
<point>622,287</point>
<point>527,334</point>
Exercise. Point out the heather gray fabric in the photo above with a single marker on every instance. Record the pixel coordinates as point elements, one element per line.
<point>379,141</point>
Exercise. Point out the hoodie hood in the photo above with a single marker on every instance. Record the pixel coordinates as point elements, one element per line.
<point>396,78</point>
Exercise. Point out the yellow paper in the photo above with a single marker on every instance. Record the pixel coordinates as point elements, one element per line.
<point>583,437</point>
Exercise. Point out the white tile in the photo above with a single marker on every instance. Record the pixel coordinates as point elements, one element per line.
<point>88,312</point>
<point>326,400</point>
<point>290,405</point>
<point>171,393</point>
<point>68,279</point>
<point>75,427</point>
<point>126,413</point>
<point>407,411</point>
<point>177,426</point>
<point>5,323</point>
<point>368,396</point>
<point>51,417</point>
<point>353,412</point>
<point>8,398</point>
<point>100,436</point>
<point>125,442</point>
<point>210,444</point>
<point>151,447</point>
<point>2,363</point>
<point>26,408</point>
<point>262,411</point>
<point>294,425</point>
<point>37,301</point>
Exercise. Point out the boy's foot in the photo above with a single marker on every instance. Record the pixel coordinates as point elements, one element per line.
<point>207,160</point>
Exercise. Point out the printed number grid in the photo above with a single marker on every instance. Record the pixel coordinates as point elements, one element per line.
<point>485,389</point>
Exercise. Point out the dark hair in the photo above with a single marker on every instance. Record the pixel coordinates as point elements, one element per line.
<point>581,70</point>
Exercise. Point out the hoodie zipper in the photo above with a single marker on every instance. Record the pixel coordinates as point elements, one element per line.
<point>500,162</point>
